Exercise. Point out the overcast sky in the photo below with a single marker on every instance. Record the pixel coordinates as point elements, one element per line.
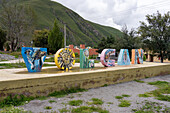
<point>116,13</point>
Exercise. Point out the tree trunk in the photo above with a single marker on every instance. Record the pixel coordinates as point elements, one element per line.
<point>162,57</point>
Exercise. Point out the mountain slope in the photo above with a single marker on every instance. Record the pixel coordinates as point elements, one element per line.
<point>79,30</point>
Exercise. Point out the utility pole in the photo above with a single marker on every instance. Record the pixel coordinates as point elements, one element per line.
<point>64,35</point>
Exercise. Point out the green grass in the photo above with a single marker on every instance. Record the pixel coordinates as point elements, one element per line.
<point>18,65</point>
<point>52,101</point>
<point>41,98</point>
<point>109,102</point>
<point>151,107</point>
<point>64,110</point>
<point>97,101</point>
<point>18,100</point>
<point>118,97</point>
<point>125,95</point>
<point>86,109</point>
<point>124,103</point>
<point>48,107</point>
<point>51,59</point>
<point>145,95</point>
<point>75,102</point>
<point>139,81</point>
<point>160,93</point>
<point>66,92</point>
<point>12,109</point>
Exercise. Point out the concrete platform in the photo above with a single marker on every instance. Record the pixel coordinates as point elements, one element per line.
<point>19,81</point>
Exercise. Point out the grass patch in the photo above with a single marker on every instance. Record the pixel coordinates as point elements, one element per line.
<point>105,85</point>
<point>75,102</point>
<point>48,107</point>
<point>78,61</point>
<point>18,100</point>
<point>140,81</point>
<point>66,92</point>
<point>158,83</point>
<point>124,103</point>
<point>18,65</point>
<point>151,107</point>
<point>52,101</point>
<point>97,101</point>
<point>41,97</point>
<point>145,95</point>
<point>51,59</point>
<point>118,97</point>
<point>86,109</point>
<point>125,95</point>
<point>109,102</point>
<point>12,109</point>
<point>63,110</point>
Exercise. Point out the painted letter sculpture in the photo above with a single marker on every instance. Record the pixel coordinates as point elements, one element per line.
<point>137,56</point>
<point>123,58</point>
<point>65,58</point>
<point>34,58</point>
<point>106,57</point>
<point>84,58</point>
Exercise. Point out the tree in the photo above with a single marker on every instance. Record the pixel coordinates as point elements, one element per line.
<point>129,40</point>
<point>55,38</point>
<point>41,38</point>
<point>2,38</point>
<point>106,43</point>
<point>17,21</point>
<point>155,33</point>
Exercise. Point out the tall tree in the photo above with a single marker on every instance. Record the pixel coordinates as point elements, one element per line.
<point>156,33</point>
<point>2,38</point>
<point>55,38</point>
<point>17,20</point>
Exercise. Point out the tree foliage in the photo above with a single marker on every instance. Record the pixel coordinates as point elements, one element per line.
<point>55,39</point>
<point>156,33</point>
<point>2,38</point>
<point>41,38</point>
<point>18,21</point>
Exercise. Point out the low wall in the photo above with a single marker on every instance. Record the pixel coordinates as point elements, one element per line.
<point>91,79</point>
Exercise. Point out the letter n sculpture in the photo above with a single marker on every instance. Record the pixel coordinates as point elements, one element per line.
<point>107,57</point>
<point>84,58</point>
<point>34,58</point>
<point>137,56</point>
<point>123,58</point>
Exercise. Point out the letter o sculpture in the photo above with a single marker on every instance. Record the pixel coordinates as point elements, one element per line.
<point>105,57</point>
<point>65,58</point>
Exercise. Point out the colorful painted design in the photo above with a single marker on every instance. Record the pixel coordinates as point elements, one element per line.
<point>123,58</point>
<point>65,58</point>
<point>137,56</point>
<point>34,58</point>
<point>107,57</point>
<point>84,58</point>
<point>91,64</point>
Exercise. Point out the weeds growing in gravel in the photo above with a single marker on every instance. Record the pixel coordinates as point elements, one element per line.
<point>145,95</point>
<point>12,109</point>
<point>125,95</point>
<point>151,107</point>
<point>75,102</point>
<point>124,103</point>
<point>48,107</point>
<point>52,101</point>
<point>86,109</point>
<point>118,97</point>
<point>139,81</point>
<point>64,110</point>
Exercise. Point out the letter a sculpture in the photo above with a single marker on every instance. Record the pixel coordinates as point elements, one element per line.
<point>65,58</point>
<point>107,57</point>
<point>34,58</point>
<point>137,56</point>
<point>123,58</point>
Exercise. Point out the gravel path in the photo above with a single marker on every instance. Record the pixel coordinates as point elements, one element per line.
<point>107,94</point>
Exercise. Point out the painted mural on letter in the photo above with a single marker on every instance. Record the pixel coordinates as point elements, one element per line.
<point>107,57</point>
<point>137,56</point>
<point>34,58</point>
<point>123,58</point>
<point>65,58</point>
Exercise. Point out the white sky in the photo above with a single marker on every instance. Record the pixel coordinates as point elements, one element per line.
<point>116,13</point>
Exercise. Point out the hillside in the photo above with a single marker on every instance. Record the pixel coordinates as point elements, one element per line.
<point>79,30</point>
